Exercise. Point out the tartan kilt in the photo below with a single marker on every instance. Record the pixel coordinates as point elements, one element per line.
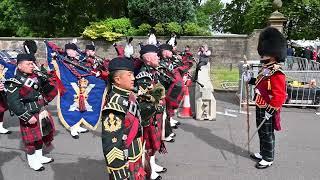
<point>152,134</point>
<point>3,104</point>
<point>31,133</point>
<point>136,170</point>
<point>175,94</point>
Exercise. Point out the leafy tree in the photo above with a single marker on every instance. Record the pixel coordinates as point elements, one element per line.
<point>208,14</point>
<point>160,29</point>
<point>46,18</point>
<point>303,17</point>
<point>257,15</point>
<point>163,11</point>
<point>11,23</point>
<point>233,16</point>
<point>174,27</point>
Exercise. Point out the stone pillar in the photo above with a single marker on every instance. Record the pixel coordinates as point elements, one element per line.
<point>205,103</point>
<point>277,20</point>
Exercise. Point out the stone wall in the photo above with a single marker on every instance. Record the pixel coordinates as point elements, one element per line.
<point>253,38</point>
<point>225,48</point>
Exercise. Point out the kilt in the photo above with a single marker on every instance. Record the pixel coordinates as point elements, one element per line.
<point>3,104</point>
<point>32,137</point>
<point>136,170</point>
<point>152,134</point>
<point>175,95</point>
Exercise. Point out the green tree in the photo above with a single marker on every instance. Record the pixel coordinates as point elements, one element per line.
<point>233,16</point>
<point>46,18</point>
<point>11,23</point>
<point>304,18</point>
<point>174,27</point>
<point>209,13</point>
<point>163,11</point>
<point>257,15</point>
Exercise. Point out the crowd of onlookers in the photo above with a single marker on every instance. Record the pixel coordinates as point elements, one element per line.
<point>310,53</point>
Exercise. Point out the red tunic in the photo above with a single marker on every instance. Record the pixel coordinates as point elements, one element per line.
<point>271,92</point>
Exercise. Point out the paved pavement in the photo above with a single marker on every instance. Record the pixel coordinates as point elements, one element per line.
<point>203,150</point>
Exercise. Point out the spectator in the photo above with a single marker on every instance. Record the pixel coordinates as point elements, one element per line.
<point>314,54</point>
<point>307,53</point>
<point>204,53</point>
<point>290,54</point>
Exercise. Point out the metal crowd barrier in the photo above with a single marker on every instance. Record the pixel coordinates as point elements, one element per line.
<point>302,85</point>
<point>300,64</point>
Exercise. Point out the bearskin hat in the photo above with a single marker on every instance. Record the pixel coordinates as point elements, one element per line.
<point>30,47</point>
<point>272,43</point>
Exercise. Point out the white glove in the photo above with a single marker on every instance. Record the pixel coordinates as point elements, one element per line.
<point>1,86</point>
<point>267,116</point>
<point>98,73</point>
<point>245,66</point>
<point>247,76</point>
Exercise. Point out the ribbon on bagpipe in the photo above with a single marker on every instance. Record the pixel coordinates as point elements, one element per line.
<point>52,50</point>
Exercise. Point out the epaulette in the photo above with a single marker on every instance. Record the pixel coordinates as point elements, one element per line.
<point>144,74</point>
<point>117,103</point>
<point>13,80</point>
<point>11,85</point>
<point>114,106</point>
<point>276,68</point>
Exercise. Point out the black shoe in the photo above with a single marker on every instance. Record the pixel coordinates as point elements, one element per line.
<point>163,170</point>
<point>178,123</point>
<point>171,140</point>
<point>260,166</point>
<point>9,132</point>
<point>173,135</point>
<point>40,169</point>
<point>174,127</point>
<point>84,131</point>
<point>75,137</point>
<point>52,160</point>
<point>158,178</point>
<point>252,156</point>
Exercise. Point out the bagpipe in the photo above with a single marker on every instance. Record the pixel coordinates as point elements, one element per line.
<point>58,54</point>
<point>99,59</point>
<point>149,103</point>
<point>171,78</point>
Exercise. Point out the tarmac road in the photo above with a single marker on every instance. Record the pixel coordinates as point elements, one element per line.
<point>210,150</point>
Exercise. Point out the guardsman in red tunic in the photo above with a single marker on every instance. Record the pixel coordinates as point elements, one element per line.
<point>270,93</point>
<point>27,95</point>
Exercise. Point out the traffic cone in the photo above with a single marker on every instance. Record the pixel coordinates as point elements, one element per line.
<point>186,109</point>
